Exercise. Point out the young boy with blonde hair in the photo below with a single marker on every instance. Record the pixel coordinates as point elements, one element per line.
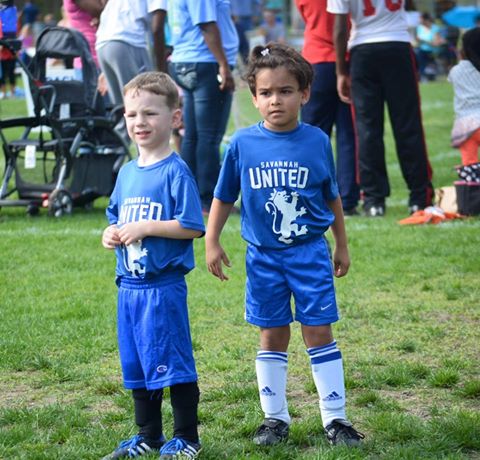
<point>154,214</point>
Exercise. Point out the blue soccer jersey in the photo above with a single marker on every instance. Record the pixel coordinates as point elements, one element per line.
<point>165,190</point>
<point>286,180</point>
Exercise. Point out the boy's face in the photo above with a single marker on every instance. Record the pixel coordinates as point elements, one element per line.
<point>278,98</point>
<point>149,120</point>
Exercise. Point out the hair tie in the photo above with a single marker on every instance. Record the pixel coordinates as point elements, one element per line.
<point>265,52</point>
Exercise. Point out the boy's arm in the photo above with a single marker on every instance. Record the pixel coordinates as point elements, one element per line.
<point>134,231</point>
<point>341,259</point>
<point>214,253</point>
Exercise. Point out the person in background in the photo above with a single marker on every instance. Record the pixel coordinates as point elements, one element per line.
<point>83,15</point>
<point>272,29</point>
<point>244,13</point>
<point>428,39</point>
<point>382,71</point>
<point>9,24</point>
<point>465,78</point>
<point>205,47</point>
<point>29,13</point>
<point>324,108</point>
<point>121,43</point>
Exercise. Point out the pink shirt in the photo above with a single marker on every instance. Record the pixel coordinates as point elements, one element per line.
<point>81,21</point>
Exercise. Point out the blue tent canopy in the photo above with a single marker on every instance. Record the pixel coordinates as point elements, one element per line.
<point>461,16</point>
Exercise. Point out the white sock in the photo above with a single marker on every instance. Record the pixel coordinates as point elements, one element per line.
<point>271,367</point>
<point>327,371</point>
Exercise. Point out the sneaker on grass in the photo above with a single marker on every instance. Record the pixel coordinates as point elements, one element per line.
<point>178,448</point>
<point>272,431</point>
<point>136,447</point>
<point>342,432</point>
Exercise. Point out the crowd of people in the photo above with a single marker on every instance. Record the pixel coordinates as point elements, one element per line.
<point>356,58</point>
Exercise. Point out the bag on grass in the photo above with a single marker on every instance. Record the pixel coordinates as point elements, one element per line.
<point>468,197</point>
<point>446,198</point>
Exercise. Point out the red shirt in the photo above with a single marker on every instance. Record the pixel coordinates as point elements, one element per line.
<point>318,45</point>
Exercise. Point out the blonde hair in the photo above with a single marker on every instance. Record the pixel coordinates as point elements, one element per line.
<point>157,83</point>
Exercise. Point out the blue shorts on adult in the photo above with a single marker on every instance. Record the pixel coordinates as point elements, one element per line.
<point>154,334</point>
<point>303,271</point>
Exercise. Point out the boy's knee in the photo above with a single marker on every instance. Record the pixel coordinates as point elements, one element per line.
<point>317,336</point>
<point>184,394</point>
<point>275,338</point>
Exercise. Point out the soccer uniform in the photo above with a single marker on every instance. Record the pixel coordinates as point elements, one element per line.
<point>153,329</point>
<point>286,179</point>
<point>382,70</point>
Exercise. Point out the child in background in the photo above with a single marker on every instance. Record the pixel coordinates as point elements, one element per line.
<point>285,172</point>
<point>8,21</point>
<point>154,214</point>
<point>271,29</point>
<point>465,78</point>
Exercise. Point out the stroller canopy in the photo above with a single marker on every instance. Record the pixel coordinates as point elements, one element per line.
<point>66,44</point>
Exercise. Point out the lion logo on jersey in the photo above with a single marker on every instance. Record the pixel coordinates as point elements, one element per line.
<point>131,258</point>
<point>284,210</point>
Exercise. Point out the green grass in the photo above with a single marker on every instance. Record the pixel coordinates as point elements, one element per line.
<point>409,334</point>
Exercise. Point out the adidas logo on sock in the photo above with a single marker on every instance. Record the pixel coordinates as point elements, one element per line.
<point>333,396</point>
<point>267,392</point>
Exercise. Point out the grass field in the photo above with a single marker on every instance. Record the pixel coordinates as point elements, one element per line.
<point>409,334</point>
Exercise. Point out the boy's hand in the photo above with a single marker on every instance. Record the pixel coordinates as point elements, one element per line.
<point>110,238</point>
<point>341,262</point>
<point>215,256</point>
<point>131,232</point>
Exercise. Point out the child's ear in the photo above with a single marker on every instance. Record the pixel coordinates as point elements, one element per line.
<point>305,95</point>
<point>176,119</point>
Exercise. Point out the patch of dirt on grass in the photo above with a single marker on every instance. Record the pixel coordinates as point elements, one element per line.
<point>420,402</point>
<point>27,390</point>
<point>21,389</point>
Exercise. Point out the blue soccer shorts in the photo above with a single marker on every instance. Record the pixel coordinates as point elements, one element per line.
<point>275,275</point>
<point>154,333</point>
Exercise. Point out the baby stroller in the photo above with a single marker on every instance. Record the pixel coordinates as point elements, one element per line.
<point>68,153</point>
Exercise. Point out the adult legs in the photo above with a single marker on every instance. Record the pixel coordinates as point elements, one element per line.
<point>243,24</point>
<point>403,101</point>
<point>346,157</point>
<point>322,110</point>
<point>120,62</point>
<point>206,111</point>
<point>368,102</point>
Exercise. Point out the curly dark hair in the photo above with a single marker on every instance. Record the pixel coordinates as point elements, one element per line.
<point>275,55</point>
<point>471,46</point>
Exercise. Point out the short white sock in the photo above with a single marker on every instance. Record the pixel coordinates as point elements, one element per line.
<point>327,371</point>
<point>271,367</point>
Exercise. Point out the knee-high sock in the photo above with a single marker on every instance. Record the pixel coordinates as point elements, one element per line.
<point>148,412</point>
<point>271,367</point>
<point>184,398</point>
<point>327,370</point>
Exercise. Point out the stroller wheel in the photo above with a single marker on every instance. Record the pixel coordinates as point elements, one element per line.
<point>33,210</point>
<point>59,203</point>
